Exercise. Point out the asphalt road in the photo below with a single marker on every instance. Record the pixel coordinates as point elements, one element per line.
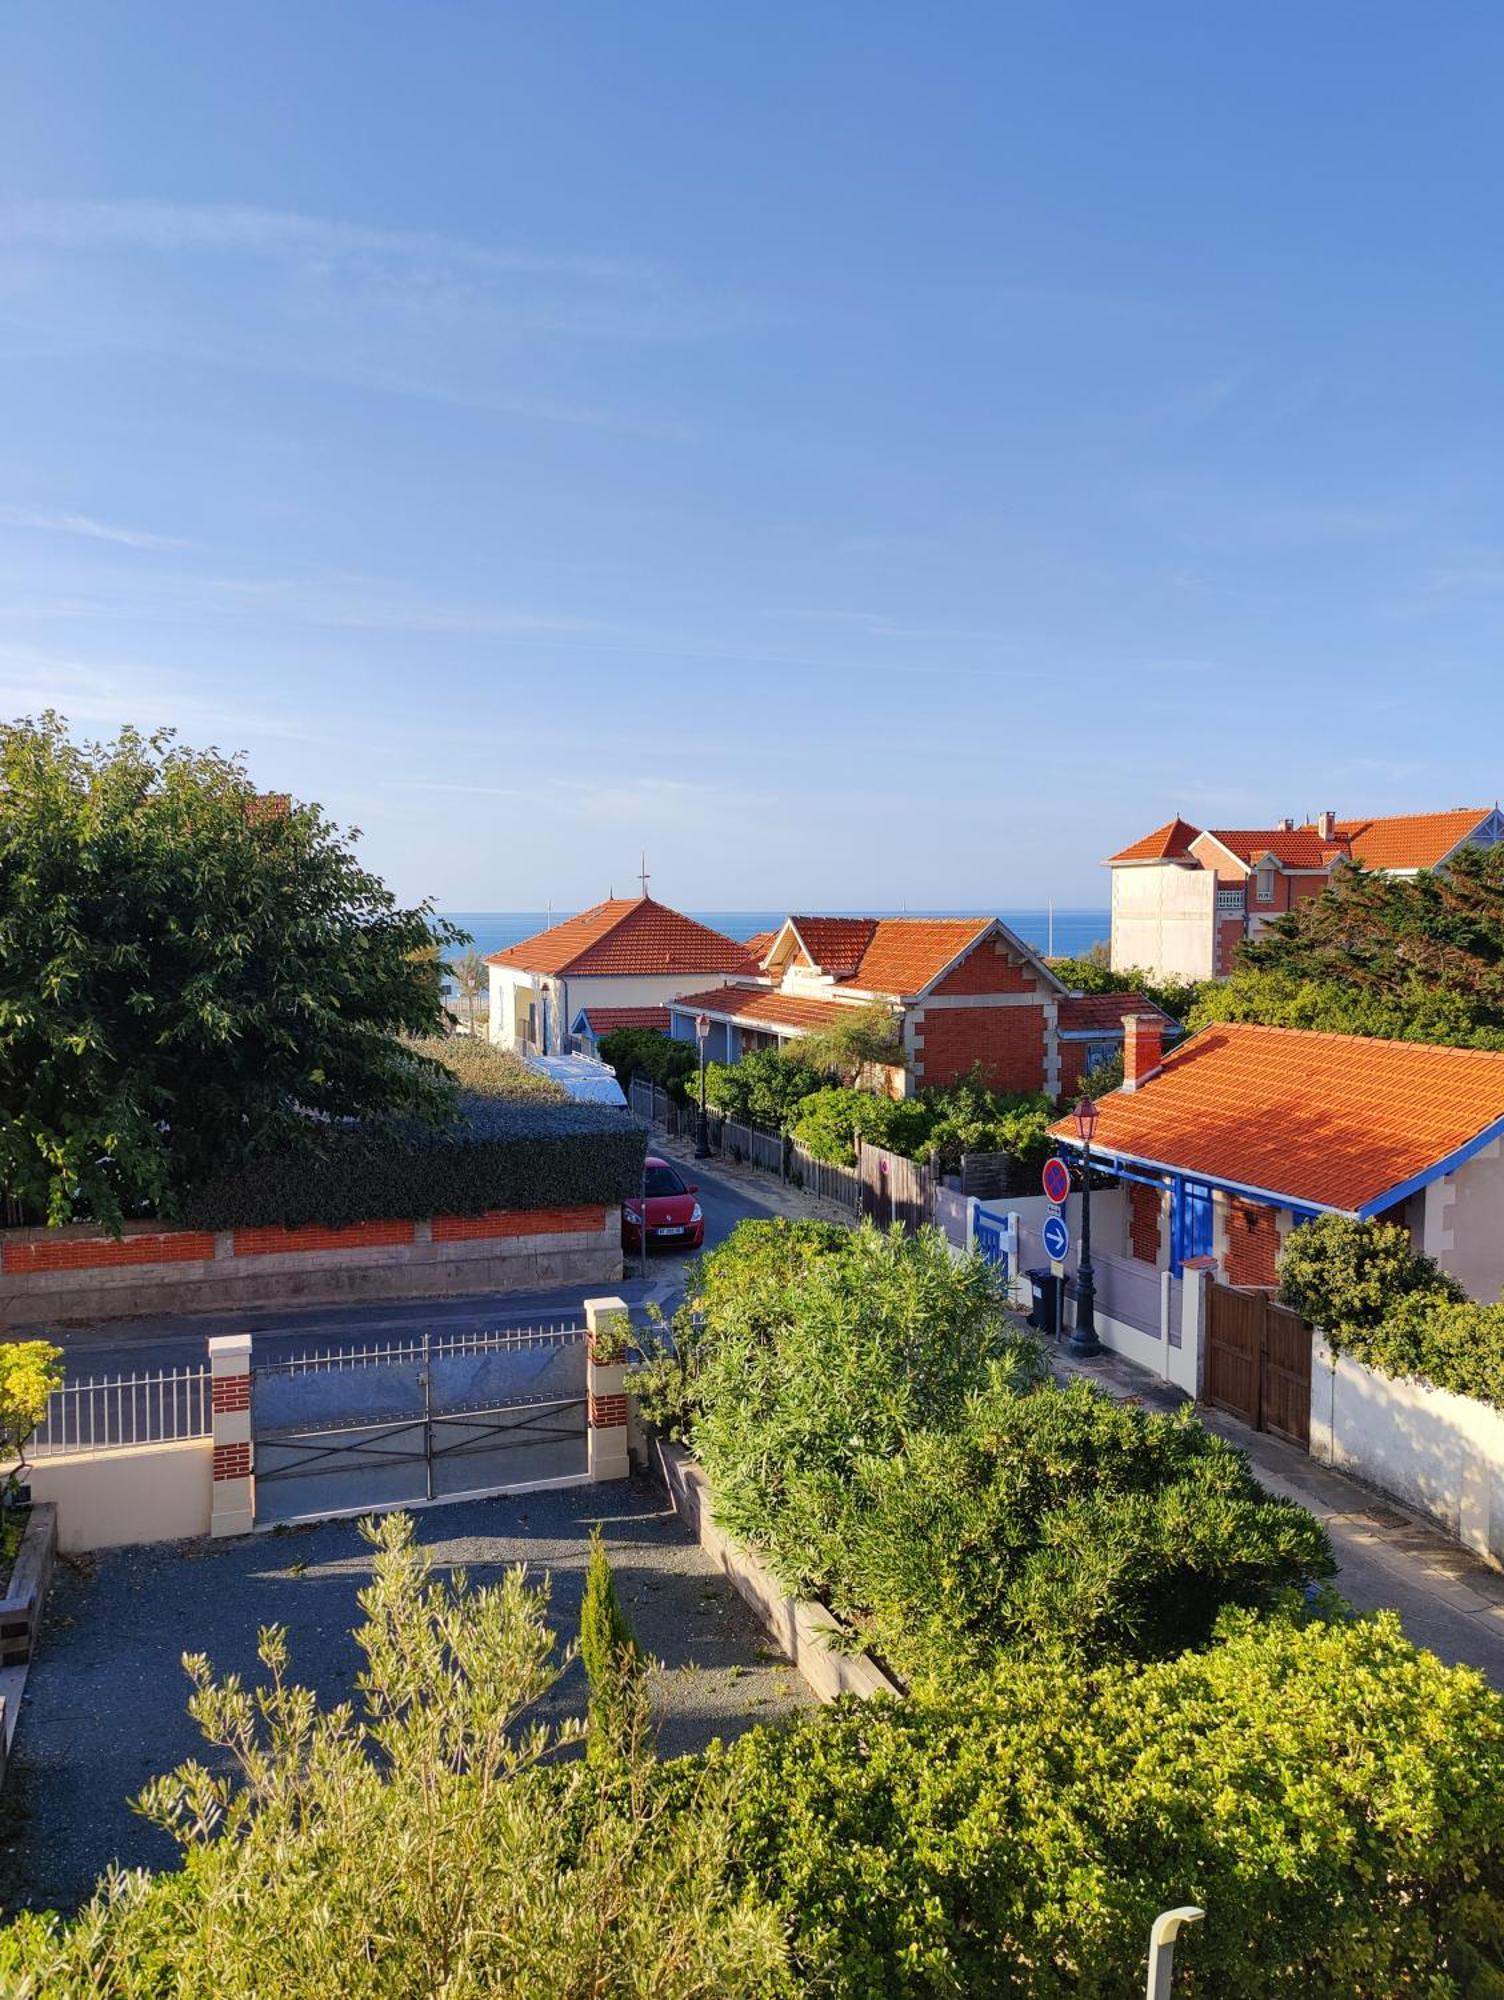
<point>282,1333</point>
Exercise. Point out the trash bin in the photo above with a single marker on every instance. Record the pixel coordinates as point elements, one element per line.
<point>1044,1288</point>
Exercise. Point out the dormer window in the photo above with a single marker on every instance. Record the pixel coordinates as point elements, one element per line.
<point>1263,883</point>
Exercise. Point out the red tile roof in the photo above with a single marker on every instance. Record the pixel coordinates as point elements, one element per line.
<point>1102,1013</point>
<point>763,1006</point>
<point>624,937</point>
<point>897,955</point>
<point>606,1020</point>
<point>1331,1121</point>
<point>1411,840</point>
<point>1170,842</point>
<point>760,944</point>
<point>1303,848</point>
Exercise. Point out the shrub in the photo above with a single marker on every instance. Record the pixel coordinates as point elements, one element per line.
<point>828,1119</point>
<point>737,1291</point>
<point>834,1359</point>
<point>764,1089</point>
<point>1059,1521</point>
<point>416,1842</point>
<point>30,1370</point>
<point>1332,1797</point>
<point>644,1052</point>
<point>937,1126</point>
<point>1345,1276</point>
<point>503,1155</point>
<point>611,1658</point>
<point>1452,1344</point>
<point>482,1069</point>
<point>1095,975</point>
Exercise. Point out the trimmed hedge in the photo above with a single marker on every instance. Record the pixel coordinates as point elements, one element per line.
<point>503,1154</point>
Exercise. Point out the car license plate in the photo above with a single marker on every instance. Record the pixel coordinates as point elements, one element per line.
<point>671,1229</point>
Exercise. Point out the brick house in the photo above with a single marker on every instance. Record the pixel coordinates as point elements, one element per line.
<point>1184,897</point>
<point>1229,1141</point>
<point>965,991</point>
<point>626,955</point>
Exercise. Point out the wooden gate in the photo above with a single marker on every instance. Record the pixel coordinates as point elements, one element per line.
<point>1258,1362</point>
<point>894,1189</point>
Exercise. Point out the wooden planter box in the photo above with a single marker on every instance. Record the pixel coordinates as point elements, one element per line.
<point>805,1631</point>
<point>26,1594</point>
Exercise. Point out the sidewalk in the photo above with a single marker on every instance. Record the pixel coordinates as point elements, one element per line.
<point>755,1183</point>
<point>1447,1599</point>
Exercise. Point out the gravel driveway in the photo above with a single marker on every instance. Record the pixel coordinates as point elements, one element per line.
<point>104,1706</point>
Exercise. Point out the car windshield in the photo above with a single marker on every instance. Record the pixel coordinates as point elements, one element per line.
<point>662,1180</point>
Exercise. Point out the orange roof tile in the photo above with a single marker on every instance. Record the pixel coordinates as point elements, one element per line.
<point>1411,840</point>
<point>1102,1013</point>
<point>1302,848</point>
<point>760,944</point>
<point>764,1006</point>
<point>905,953</point>
<point>627,936</point>
<point>835,944</point>
<point>1170,842</point>
<point>1328,1121</point>
<point>606,1020</point>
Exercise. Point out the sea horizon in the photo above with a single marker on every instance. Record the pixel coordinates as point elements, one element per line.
<point>1071,932</point>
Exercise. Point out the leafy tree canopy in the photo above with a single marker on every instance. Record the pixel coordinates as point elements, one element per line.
<point>189,974</point>
<point>644,1052</point>
<point>1094,974</point>
<point>866,1037</point>
<point>1408,958</point>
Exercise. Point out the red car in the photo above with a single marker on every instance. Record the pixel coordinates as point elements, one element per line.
<point>674,1216</point>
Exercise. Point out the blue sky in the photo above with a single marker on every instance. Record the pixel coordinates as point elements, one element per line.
<point>861,454</point>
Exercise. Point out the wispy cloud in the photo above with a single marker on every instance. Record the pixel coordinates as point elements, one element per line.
<point>88,527</point>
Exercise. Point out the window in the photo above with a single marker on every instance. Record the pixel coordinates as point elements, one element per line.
<point>1265,885</point>
<point>661,1180</point>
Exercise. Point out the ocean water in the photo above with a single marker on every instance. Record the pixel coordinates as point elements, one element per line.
<point>1074,932</point>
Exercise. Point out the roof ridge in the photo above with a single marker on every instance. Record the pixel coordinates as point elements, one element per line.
<point>1333,1035</point>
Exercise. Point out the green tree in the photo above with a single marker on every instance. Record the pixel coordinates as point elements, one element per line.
<point>613,1662</point>
<point>1093,974</point>
<point>471,978</point>
<point>766,1088</point>
<point>190,974</point>
<point>644,1052</point>
<point>864,1037</point>
<point>1347,1276</point>
<point>422,1840</point>
<point>1413,958</point>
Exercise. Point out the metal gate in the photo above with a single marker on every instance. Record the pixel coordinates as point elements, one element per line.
<point>442,1418</point>
<point>1258,1362</point>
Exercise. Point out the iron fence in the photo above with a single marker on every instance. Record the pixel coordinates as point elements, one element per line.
<point>114,1412</point>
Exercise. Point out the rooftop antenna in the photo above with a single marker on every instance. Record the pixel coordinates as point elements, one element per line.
<point>550,924</point>
<point>1049,950</point>
<point>643,877</point>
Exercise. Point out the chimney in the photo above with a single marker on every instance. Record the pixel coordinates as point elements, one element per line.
<point>1287,826</point>
<point>1143,1048</point>
<point>1326,826</point>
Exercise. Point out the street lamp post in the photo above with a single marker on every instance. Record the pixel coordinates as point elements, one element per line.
<point>702,1035</point>
<point>1083,1341</point>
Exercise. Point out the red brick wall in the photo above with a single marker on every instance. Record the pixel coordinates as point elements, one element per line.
<point>1009,1043</point>
<point>1072,1067</point>
<point>1143,1222</point>
<point>272,1241</point>
<point>88,1253</point>
<point>988,969</point>
<point>516,1222</point>
<point>1252,1243</point>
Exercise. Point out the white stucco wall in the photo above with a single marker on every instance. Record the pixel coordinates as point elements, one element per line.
<point>1164,919</point>
<point>1441,1454</point>
<point>1463,1226</point>
<point>512,990</point>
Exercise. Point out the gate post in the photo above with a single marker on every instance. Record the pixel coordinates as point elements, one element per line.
<point>1196,1278</point>
<point>232,1508</point>
<point>608,1326</point>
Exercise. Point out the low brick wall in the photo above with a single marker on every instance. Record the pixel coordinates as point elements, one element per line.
<point>77,1273</point>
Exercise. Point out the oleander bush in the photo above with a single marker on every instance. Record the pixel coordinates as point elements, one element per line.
<point>501,1153</point>
<point>1060,1521</point>
<point>1329,1794</point>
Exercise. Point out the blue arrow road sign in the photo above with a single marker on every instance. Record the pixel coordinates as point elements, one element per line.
<point>1057,1238</point>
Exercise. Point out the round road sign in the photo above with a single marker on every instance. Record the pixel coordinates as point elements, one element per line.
<point>1057,1180</point>
<point>1057,1238</point>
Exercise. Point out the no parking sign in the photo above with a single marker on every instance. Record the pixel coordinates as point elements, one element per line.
<point>1057,1180</point>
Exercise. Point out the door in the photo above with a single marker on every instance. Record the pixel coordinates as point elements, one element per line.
<point>1258,1362</point>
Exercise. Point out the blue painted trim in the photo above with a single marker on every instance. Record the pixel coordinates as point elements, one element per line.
<point>1270,1196</point>
<point>1447,1166</point>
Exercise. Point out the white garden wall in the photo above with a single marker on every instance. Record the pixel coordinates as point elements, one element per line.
<point>1441,1454</point>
